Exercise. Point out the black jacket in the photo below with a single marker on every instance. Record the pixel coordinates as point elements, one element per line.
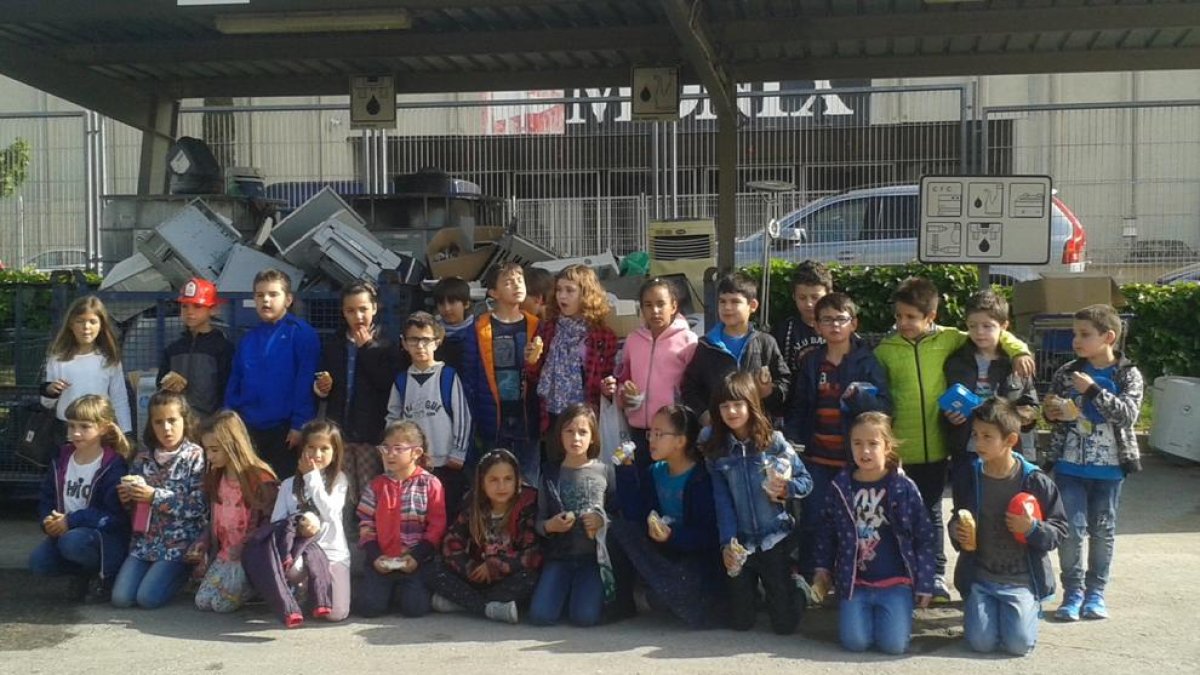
<point>712,362</point>
<point>205,360</point>
<point>1044,537</point>
<point>960,368</point>
<point>375,370</point>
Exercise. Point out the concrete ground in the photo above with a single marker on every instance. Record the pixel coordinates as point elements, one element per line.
<point>1154,598</point>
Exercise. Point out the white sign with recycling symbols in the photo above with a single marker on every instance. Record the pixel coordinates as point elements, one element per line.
<point>655,94</point>
<point>372,102</point>
<point>985,219</point>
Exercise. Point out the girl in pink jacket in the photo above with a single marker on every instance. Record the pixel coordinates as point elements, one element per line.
<point>650,367</point>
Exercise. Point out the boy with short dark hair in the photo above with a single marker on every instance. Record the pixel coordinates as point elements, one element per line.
<point>504,400</point>
<point>430,394</point>
<point>452,297</point>
<point>1093,404</point>
<point>539,290</point>
<point>985,370</point>
<point>830,388</point>
<point>914,357</point>
<point>271,383</point>
<point>735,345</point>
<point>198,363</point>
<point>797,335</point>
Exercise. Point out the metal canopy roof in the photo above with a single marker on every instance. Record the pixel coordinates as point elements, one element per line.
<point>121,56</point>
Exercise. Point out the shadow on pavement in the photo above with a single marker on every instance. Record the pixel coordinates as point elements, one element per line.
<point>35,612</point>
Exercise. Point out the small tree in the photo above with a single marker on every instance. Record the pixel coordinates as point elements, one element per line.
<point>14,162</point>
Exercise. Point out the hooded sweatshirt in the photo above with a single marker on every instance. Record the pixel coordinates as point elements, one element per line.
<point>656,367</point>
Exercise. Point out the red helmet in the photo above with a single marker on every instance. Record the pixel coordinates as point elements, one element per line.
<point>200,292</point>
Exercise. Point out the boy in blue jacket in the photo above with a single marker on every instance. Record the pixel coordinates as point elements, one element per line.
<point>273,373</point>
<point>829,391</point>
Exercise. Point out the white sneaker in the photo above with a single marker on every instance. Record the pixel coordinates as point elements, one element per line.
<point>443,605</point>
<point>501,611</point>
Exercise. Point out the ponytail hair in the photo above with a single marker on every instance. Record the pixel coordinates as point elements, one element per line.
<point>99,411</point>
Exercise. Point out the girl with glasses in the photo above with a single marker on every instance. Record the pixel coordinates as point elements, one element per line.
<point>669,530</point>
<point>402,519</point>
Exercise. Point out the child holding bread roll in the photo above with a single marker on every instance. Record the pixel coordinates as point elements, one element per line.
<point>649,368</point>
<point>669,525</point>
<point>576,575</point>
<point>875,544</point>
<point>86,528</point>
<point>577,348</point>
<point>1003,570</point>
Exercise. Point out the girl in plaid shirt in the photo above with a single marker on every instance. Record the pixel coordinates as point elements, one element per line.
<point>491,556</point>
<point>402,518</point>
<point>579,348</point>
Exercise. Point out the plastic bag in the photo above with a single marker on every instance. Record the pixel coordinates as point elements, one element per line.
<point>636,264</point>
<point>614,430</point>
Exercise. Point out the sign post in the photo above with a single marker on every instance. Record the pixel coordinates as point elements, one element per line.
<point>372,102</point>
<point>985,220</point>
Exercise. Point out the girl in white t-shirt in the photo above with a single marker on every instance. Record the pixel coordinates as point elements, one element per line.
<point>87,529</point>
<point>86,359</point>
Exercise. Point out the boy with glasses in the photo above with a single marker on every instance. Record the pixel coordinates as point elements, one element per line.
<point>430,394</point>
<point>835,382</point>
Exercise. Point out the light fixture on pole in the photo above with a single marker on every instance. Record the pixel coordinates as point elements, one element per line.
<point>314,22</point>
<point>770,191</point>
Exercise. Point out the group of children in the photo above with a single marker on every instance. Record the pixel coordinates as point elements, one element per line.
<point>763,471</point>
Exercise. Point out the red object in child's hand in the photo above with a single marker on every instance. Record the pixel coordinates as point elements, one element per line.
<point>1024,504</point>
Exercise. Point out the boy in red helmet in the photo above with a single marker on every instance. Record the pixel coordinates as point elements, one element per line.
<point>197,364</point>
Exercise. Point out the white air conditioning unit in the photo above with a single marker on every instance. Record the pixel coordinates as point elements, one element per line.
<point>686,246</point>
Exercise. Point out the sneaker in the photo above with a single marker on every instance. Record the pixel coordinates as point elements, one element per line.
<point>77,588</point>
<point>803,591</point>
<point>941,592</point>
<point>294,620</point>
<point>322,612</point>
<point>443,605</point>
<point>1094,607</point>
<point>501,611</point>
<point>1071,604</point>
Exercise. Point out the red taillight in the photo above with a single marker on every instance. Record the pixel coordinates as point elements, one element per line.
<point>1076,247</point>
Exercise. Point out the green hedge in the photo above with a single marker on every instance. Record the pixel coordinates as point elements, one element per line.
<point>1164,337</point>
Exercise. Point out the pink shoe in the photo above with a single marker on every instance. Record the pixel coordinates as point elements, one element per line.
<point>322,612</point>
<point>294,620</point>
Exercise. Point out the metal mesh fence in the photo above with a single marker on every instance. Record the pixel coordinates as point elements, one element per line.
<point>1130,172</point>
<point>45,216</point>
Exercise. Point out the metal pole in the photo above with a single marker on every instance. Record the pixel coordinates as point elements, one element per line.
<point>726,190</point>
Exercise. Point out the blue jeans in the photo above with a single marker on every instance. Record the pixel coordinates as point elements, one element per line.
<point>877,616</point>
<point>1001,615</point>
<point>75,552</point>
<point>810,514</point>
<point>574,584</point>
<point>149,585</point>
<point>1091,507</point>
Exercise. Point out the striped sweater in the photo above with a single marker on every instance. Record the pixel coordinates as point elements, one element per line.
<point>399,517</point>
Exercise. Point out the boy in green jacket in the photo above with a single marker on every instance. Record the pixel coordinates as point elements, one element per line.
<point>914,357</point>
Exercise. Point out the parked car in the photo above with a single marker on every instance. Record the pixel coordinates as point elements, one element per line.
<point>59,259</point>
<point>878,226</point>
<point>1161,251</point>
<point>1185,274</point>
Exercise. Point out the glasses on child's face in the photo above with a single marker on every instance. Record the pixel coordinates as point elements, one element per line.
<point>838,321</point>
<point>395,449</point>
<point>422,342</point>
<point>659,435</point>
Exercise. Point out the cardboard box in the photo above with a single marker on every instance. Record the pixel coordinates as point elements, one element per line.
<point>1061,295</point>
<point>468,264</point>
<point>624,324</point>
